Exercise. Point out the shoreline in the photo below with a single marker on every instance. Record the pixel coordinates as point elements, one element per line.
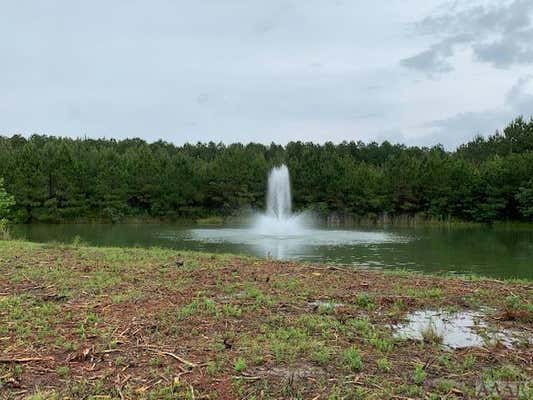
<point>331,221</point>
<point>157,323</point>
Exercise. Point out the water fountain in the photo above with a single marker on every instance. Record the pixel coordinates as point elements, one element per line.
<point>280,233</point>
<point>279,200</point>
<point>278,220</point>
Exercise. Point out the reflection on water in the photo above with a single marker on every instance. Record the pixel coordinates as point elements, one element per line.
<point>457,330</point>
<point>491,252</point>
<point>293,246</point>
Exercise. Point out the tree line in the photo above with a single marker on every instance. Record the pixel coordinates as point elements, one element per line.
<point>62,179</point>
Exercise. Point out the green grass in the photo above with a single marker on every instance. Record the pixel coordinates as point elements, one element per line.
<point>431,335</point>
<point>365,301</point>
<point>246,324</point>
<point>240,365</point>
<point>419,374</point>
<point>384,364</point>
<point>322,355</point>
<point>352,359</point>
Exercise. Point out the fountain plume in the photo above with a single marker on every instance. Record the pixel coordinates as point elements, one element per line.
<point>279,193</point>
<point>278,220</point>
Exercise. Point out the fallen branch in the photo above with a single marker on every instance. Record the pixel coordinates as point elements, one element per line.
<point>178,358</point>
<point>23,360</point>
<point>247,378</point>
<point>182,360</point>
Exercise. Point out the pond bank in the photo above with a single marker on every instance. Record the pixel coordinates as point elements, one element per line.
<point>329,219</point>
<point>134,323</point>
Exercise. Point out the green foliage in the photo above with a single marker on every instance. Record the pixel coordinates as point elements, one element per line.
<point>322,355</point>
<point>384,364</point>
<point>525,199</point>
<point>352,359</point>
<point>7,201</point>
<point>419,374</point>
<point>382,344</point>
<point>363,300</point>
<point>240,365</point>
<point>61,179</point>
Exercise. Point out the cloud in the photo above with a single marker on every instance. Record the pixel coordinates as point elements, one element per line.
<point>520,97</point>
<point>513,48</point>
<point>254,71</point>
<point>498,34</point>
<point>435,59</point>
<point>460,128</point>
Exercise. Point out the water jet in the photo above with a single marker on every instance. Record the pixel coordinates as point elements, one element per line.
<point>278,219</point>
<point>282,234</point>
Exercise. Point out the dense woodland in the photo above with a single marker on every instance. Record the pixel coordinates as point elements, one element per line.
<point>60,179</point>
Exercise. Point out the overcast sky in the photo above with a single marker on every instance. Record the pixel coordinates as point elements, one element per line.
<point>411,71</point>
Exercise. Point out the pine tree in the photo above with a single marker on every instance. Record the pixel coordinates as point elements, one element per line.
<point>6,202</point>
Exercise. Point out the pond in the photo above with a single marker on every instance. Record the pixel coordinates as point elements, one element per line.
<point>494,252</point>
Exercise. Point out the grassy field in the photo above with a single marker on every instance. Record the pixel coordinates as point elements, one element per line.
<point>85,322</point>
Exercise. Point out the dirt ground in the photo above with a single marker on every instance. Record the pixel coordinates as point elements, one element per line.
<point>94,323</point>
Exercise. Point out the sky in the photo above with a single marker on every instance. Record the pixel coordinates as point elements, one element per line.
<point>419,72</point>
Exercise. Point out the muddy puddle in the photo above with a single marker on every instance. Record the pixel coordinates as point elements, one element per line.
<point>457,330</point>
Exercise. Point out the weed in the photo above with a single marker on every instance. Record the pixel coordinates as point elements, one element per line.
<point>201,306</point>
<point>214,367</point>
<point>240,365</point>
<point>444,386</point>
<point>364,300</point>
<point>352,359</point>
<point>291,284</point>
<point>425,293</point>
<point>445,360</point>
<point>384,364</point>
<point>469,362</point>
<point>419,374</point>
<point>288,343</point>
<point>410,390</point>
<point>155,362</point>
<point>230,310</point>
<point>382,344</point>
<point>321,355</point>
<point>77,241</point>
<point>361,325</point>
<point>63,371</point>
<point>431,335</point>
<point>513,302</point>
<point>326,308</point>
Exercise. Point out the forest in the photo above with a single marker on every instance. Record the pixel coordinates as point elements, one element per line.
<point>54,179</point>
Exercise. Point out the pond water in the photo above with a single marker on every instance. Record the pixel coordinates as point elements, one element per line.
<point>497,252</point>
<point>458,329</point>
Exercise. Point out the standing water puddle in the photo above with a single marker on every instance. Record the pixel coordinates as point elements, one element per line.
<point>457,330</point>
